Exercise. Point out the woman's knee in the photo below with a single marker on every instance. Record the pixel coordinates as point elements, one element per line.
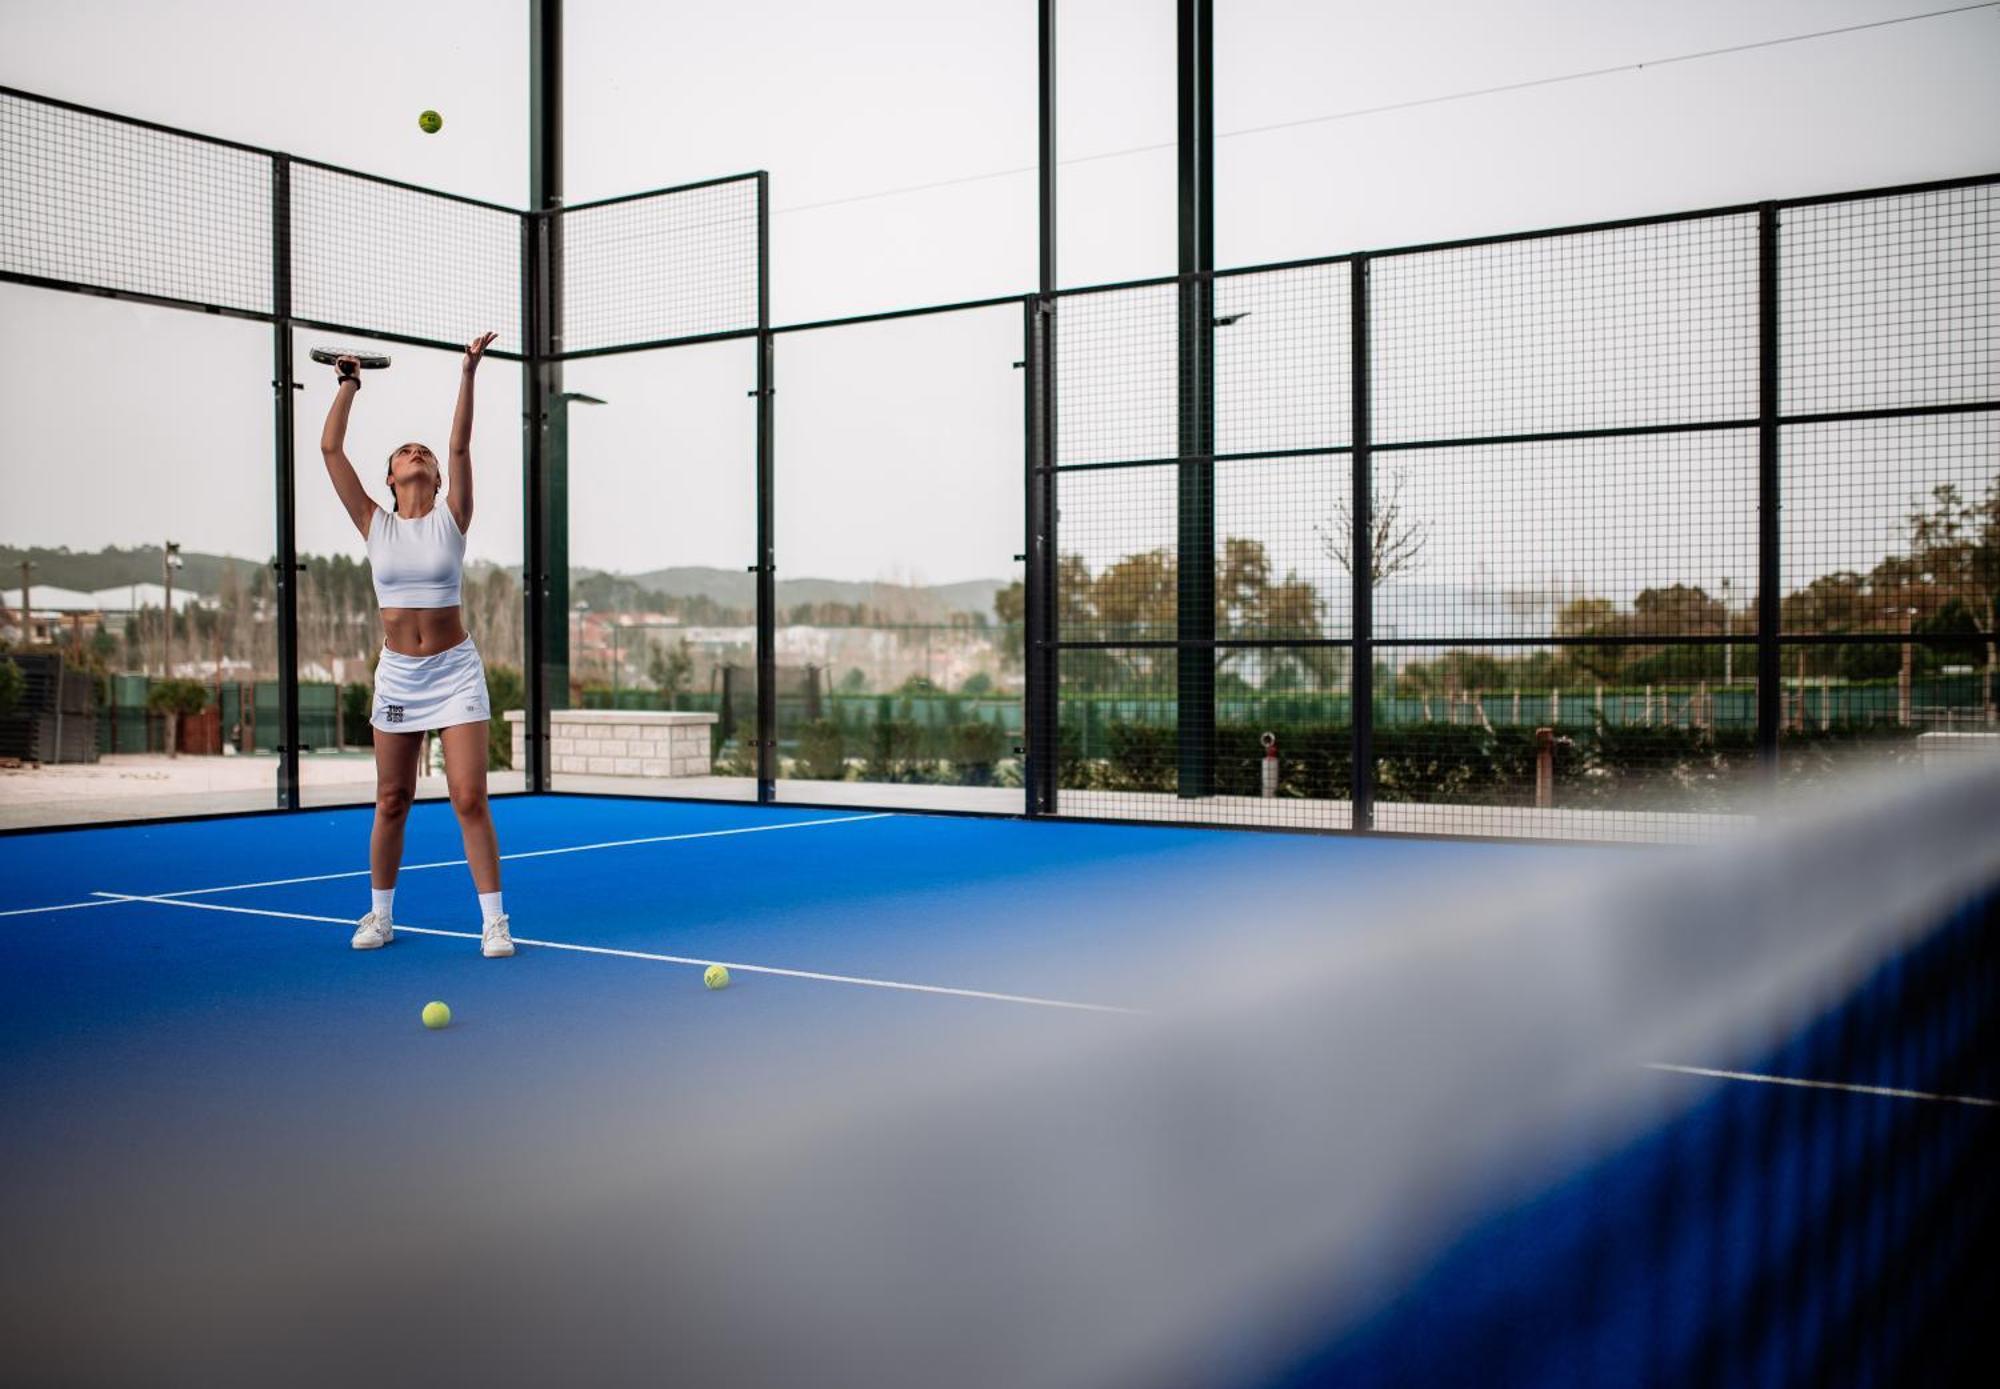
<point>392,800</point>
<point>469,802</point>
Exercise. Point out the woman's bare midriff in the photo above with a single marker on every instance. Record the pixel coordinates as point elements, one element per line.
<point>422,631</point>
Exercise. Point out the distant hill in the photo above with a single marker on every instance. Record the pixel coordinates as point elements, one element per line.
<point>202,573</point>
<point>738,589</point>
<point>88,572</point>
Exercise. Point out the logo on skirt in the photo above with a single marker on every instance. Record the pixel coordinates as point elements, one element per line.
<point>392,713</point>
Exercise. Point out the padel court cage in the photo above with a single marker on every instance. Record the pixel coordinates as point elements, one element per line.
<point>1429,539</point>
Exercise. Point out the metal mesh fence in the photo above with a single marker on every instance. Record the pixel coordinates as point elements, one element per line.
<point>678,264</point>
<point>402,261</point>
<point>1889,524</point>
<point>1117,376</point>
<point>87,200</point>
<point>1568,476</point>
<point>1646,741</point>
<point>1635,326</point>
<point>1891,302</point>
<point>1633,534</point>
<point>1282,360</point>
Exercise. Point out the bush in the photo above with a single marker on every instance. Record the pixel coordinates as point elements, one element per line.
<point>177,697</point>
<point>13,685</point>
<point>822,751</point>
<point>736,757</point>
<point>1608,766</point>
<point>354,711</point>
<point>975,750</point>
<point>504,690</point>
<point>896,752</point>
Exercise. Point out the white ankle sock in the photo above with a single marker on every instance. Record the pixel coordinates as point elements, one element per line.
<point>489,906</point>
<point>385,901</point>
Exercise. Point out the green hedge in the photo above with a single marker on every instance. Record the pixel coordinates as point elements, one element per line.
<point>1626,767</point>
<point>971,753</point>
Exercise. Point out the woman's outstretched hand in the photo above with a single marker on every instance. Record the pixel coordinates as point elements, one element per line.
<point>347,369</point>
<point>475,351</point>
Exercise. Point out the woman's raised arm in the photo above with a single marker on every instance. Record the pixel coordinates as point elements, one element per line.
<point>333,447</point>
<point>459,497</point>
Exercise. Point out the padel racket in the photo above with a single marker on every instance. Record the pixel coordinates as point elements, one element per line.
<point>370,361</point>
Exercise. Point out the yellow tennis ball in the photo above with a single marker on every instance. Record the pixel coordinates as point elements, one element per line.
<point>436,1015</point>
<point>430,122</point>
<point>716,977</point>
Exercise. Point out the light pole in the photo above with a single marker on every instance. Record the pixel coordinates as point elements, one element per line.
<point>1903,678</point>
<point>1728,651</point>
<point>575,642</point>
<point>27,612</point>
<point>170,560</point>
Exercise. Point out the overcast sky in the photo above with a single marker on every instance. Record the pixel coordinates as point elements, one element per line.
<point>899,446</point>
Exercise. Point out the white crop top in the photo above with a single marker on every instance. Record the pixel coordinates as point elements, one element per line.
<point>416,563</point>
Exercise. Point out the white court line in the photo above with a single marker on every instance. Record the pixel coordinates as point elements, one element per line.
<point>730,965</point>
<point>1823,1085</point>
<point>65,907</point>
<point>525,853</point>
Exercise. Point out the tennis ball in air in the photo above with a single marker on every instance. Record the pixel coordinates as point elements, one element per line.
<point>430,122</point>
<point>716,977</point>
<point>436,1015</point>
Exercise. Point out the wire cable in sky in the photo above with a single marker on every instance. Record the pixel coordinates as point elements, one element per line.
<point>1410,105</point>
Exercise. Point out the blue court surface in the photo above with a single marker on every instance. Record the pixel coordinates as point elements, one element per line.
<point>187,1043</point>
<point>227,940</point>
<point>163,981</point>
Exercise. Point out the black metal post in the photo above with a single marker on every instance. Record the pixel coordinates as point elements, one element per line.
<point>1039,645</point>
<point>1195,686</point>
<point>767,564</point>
<point>1770,708</point>
<point>286,566</point>
<point>545,569</point>
<point>534,634</point>
<point>1045,148</point>
<point>1361,547</point>
<point>1041,656</point>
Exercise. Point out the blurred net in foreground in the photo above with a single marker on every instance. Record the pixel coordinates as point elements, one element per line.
<point>1434,1149</point>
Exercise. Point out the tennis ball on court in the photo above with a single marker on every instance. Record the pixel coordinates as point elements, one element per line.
<point>436,1015</point>
<point>430,122</point>
<point>716,977</point>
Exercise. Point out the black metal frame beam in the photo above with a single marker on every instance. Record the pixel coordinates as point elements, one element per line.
<point>1749,638</point>
<point>671,188</point>
<point>544,593</point>
<point>1195,501</point>
<point>286,565</point>
<point>766,566</point>
<point>1361,554</point>
<point>1041,661</point>
<point>1770,714</point>
<point>1382,643</point>
<point>1041,644</point>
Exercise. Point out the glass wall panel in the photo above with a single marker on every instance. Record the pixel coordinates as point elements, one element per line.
<point>662,608</point>
<point>900,517</point>
<point>139,674</point>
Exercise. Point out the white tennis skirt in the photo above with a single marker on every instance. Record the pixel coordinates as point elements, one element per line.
<point>414,694</point>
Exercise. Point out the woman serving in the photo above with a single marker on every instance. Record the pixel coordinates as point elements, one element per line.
<point>430,677</point>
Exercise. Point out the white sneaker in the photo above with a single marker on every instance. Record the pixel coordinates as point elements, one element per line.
<point>494,942</point>
<point>374,932</point>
